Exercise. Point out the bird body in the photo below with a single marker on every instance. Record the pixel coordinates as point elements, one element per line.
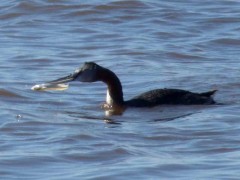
<point>92,72</point>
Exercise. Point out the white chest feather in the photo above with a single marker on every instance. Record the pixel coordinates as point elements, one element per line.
<point>109,100</point>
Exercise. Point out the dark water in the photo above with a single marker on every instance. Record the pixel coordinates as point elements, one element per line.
<point>193,45</point>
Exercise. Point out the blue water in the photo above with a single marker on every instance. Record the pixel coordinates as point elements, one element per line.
<point>192,45</point>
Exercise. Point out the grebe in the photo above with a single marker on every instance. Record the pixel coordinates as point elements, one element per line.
<point>92,72</point>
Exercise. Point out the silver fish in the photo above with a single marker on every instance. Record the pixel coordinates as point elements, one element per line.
<point>50,87</point>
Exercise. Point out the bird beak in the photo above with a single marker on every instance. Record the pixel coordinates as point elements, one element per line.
<point>62,80</point>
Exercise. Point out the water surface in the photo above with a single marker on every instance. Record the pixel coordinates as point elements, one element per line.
<point>192,45</point>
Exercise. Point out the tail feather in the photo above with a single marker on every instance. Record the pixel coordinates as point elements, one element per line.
<point>208,94</point>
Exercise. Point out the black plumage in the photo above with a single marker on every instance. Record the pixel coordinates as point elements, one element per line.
<point>171,96</point>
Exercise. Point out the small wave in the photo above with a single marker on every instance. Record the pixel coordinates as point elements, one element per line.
<point>10,16</point>
<point>121,4</point>
<point>80,13</point>
<point>224,20</point>
<point>91,9</point>
<point>227,41</point>
<point>27,6</point>
<point>5,93</point>
<point>105,155</point>
<point>183,56</point>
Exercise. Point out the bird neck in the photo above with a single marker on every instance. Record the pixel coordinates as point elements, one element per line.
<point>114,91</point>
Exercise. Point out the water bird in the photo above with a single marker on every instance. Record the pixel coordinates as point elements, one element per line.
<point>92,72</point>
